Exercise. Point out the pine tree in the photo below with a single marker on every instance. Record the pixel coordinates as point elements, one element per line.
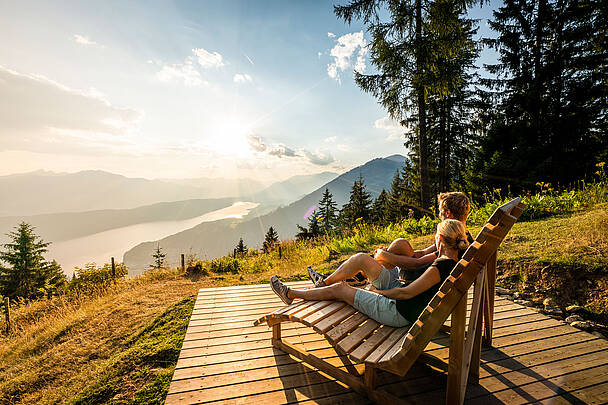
<point>28,274</point>
<point>271,239</point>
<point>358,207</point>
<point>314,227</point>
<point>381,209</point>
<point>327,212</point>
<point>159,258</point>
<point>241,248</point>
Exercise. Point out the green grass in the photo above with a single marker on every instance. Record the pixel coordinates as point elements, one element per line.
<point>155,348</point>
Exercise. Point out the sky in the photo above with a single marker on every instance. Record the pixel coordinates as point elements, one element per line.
<point>185,89</point>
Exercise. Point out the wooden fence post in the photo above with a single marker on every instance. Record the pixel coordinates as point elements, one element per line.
<point>7,312</point>
<point>113,268</point>
<point>183,263</point>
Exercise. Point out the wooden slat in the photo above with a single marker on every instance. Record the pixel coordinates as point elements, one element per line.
<point>322,313</point>
<point>361,352</point>
<point>331,321</point>
<point>375,356</point>
<point>344,328</point>
<point>350,342</point>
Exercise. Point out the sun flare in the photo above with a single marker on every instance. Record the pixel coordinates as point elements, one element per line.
<point>230,139</point>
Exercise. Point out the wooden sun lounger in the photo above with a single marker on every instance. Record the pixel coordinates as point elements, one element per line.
<point>364,340</point>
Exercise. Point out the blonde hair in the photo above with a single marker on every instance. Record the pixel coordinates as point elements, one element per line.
<point>456,202</point>
<point>454,234</point>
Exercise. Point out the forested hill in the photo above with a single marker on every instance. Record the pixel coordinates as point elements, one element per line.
<point>218,238</point>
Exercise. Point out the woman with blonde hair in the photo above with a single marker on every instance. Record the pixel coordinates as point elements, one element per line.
<point>387,300</point>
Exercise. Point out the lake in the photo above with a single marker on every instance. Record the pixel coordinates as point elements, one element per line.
<point>100,247</point>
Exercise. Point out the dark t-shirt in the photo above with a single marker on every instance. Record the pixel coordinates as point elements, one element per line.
<point>413,307</point>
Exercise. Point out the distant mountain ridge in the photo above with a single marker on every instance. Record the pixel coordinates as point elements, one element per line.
<point>43,192</point>
<point>218,238</point>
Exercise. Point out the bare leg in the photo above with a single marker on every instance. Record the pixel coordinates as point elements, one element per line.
<point>400,247</point>
<point>356,263</point>
<point>340,291</point>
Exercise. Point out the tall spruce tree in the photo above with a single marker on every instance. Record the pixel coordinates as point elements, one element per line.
<point>327,212</point>
<point>358,207</point>
<point>26,273</point>
<point>551,79</point>
<point>381,209</point>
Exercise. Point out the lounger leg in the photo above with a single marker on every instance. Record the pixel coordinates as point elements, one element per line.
<point>369,377</point>
<point>276,333</point>
<point>455,390</point>
<point>488,308</point>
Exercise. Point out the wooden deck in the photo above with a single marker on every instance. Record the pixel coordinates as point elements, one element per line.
<point>225,359</point>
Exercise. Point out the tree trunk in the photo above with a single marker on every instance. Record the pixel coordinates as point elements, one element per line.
<point>422,130</point>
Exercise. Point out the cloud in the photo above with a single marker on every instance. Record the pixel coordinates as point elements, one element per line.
<point>330,139</point>
<point>83,40</point>
<point>343,54</point>
<point>208,59</point>
<point>242,78</point>
<point>331,35</point>
<point>44,114</point>
<point>185,72</point>
<point>395,131</point>
<point>249,59</point>
<point>256,144</point>
<point>321,158</point>
<point>319,54</point>
<point>281,150</point>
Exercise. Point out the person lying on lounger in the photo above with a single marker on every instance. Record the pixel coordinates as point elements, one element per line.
<point>387,300</point>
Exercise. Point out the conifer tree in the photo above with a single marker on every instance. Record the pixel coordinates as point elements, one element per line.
<point>271,239</point>
<point>381,209</point>
<point>241,248</point>
<point>314,227</point>
<point>26,273</point>
<point>327,212</point>
<point>159,258</point>
<point>358,207</point>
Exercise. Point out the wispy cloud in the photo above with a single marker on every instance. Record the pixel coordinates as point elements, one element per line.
<point>242,78</point>
<point>208,59</point>
<point>392,127</point>
<point>83,40</point>
<point>331,35</point>
<point>184,72</point>
<point>44,114</point>
<point>257,144</point>
<point>249,59</point>
<point>343,54</point>
<point>320,158</point>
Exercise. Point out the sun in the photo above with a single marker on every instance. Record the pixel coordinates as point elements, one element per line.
<point>230,138</point>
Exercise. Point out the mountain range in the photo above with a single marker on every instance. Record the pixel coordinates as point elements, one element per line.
<point>44,192</point>
<point>213,239</point>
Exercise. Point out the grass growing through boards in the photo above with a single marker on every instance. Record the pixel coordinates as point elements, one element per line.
<point>119,343</point>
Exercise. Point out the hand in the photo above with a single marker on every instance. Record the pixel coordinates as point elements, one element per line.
<point>371,288</point>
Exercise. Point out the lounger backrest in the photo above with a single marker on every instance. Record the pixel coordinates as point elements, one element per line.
<point>456,285</point>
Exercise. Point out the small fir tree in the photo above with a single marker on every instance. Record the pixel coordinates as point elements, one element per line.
<point>358,207</point>
<point>328,216</point>
<point>159,258</point>
<point>241,248</point>
<point>271,239</point>
<point>27,274</point>
<point>381,209</point>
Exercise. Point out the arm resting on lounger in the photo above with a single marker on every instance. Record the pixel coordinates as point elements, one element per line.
<point>428,279</point>
<point>406,262</point>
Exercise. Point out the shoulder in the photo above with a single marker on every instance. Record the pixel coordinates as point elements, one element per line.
<point>444,265</point>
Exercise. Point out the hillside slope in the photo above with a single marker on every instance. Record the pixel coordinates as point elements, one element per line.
<point>209,240</point>
<point>123,345</point>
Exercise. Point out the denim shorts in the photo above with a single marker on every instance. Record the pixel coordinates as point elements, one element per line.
<point>378,307</point>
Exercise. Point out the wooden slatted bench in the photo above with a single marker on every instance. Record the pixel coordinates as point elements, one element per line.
<point>378,346</point>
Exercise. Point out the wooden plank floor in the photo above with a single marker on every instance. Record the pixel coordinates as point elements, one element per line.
<point>225,359</point>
